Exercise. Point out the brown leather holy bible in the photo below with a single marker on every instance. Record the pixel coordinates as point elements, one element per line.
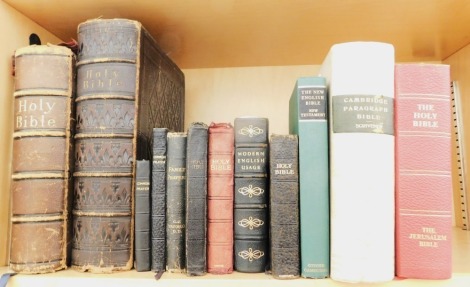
<point>41,170</point>
<point>220,198</point>
<point>126,86</point>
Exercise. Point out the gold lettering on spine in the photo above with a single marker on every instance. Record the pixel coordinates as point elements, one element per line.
<point>425,116</point>
<point>312,267</point>
<point>428,238</point>
<point>35,114</point>
<point>283,169</point>
<point>106,78</point>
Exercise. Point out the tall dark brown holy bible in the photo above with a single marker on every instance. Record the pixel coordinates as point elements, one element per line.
<point>126,86</point>
<point>41,165</point>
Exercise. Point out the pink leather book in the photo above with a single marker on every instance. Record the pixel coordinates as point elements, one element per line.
<point>220,198</point>
<point>423,171</point>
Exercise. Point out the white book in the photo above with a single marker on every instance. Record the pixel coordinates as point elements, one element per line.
<point>360,79</point>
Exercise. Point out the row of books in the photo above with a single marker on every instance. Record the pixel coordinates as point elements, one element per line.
<point>83,115</point>
<point>360,190</point>
<point>380,161</point>
<point>230,195</point>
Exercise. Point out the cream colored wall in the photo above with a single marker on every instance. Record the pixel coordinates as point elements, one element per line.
<point>15,32</point>
<point>460,72</point>
<point>222,94</point>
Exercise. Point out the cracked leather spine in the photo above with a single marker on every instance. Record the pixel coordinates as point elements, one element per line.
<point>126,86</point>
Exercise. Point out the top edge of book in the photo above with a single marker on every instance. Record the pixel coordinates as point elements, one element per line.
<point>43,50</point>
<point>111,21</point>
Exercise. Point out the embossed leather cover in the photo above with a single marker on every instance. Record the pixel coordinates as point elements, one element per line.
<point>42,154</point>
<point>158,199</point>
<point>360,79</point>
<point>423,171</point>
<point>126,86</point>
<point>251,219</point>
<point>176,202</point>
<point>220,198</point>
<point>308,109</point>
<point>142,215</point>
<point>284,206</point>
<point>196,198</point>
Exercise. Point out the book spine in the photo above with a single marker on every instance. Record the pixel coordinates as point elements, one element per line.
<point>42,154</point>
<point>423,171</point>
<point>251,195</point>
<point>196,199</point>
<point>142,215</point>
<point>126,86</point>
<point>308,120</point>
<point>360,76</point>
<point>220,198</point>
<point>284,206</point>
<point>176,202</point>
<point>158,199</point>
<point>104,146</point>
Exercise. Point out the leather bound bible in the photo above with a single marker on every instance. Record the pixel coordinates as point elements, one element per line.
<point>42,153</point>
<point>176,202</point>
<point>284,206</point>
<point>126,85</point>
<point>360,79</point>
<point>423,171</point>
<point>196,198</point>
<point>251,225</point>
<point>308,119</point>
<point>158,199</point>
<point>142,215</point>
<point>220,198</point>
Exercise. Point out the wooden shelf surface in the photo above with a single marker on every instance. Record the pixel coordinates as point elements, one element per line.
<point>72,278</point>
<point>230,33</point>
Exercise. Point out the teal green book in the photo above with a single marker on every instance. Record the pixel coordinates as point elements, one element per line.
<point>308,119</point>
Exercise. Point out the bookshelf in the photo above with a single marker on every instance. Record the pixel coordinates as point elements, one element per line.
<point>239,52</point>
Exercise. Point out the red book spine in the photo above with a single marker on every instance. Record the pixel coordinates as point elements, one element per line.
<point>220,199</point>
<point>423,171</point>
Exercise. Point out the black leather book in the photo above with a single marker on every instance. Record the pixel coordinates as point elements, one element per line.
<point>284,206</point>
<point>251,194</point>
<point>142,215</point>
<point>196,197</point>
<point>176,202</point>
<point>158,200</point>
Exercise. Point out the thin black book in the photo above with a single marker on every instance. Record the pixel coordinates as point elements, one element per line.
<point>196,199</point>
<point>176,202</point>
<point>284,206</point>
<point>142,215</point>
<point>158,200</point>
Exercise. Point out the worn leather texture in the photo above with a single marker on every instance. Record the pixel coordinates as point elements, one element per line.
<point>176,202</point>
<point>142,216</point>
<point>284,206</point>
<point>126,86</point>
<point>251,198</point>
<point>158,199</point>
<point>42,155</point>
<point>423,171</point>
<point>220,198</point>
<point>196,199</point>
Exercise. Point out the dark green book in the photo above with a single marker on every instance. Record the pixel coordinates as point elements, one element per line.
<point>308,118</point>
